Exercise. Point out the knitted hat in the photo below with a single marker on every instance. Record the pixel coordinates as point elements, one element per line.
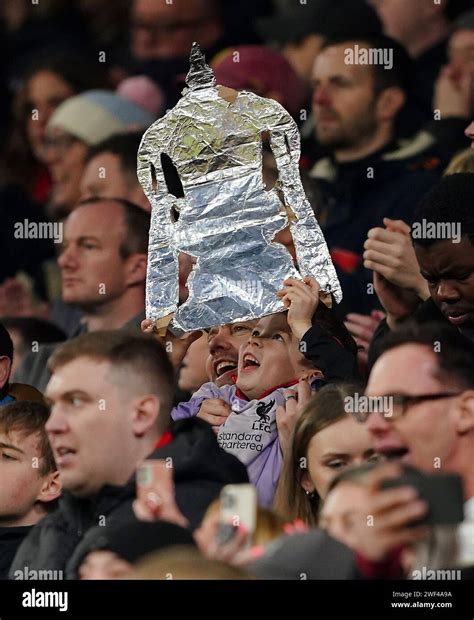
<point>96,115</point>
<point>142,90</point>
<point>261,70</point>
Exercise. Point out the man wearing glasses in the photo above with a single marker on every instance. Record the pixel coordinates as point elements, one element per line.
<point>428,371</point>
<point>161,35</point>
<point>164,29</point>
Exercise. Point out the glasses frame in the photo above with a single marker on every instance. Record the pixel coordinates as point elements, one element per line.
<point>405,401</point>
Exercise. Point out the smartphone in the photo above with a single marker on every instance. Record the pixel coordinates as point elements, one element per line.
<point>155,480</point>
<point>442,492</point>
<point>238,507</point>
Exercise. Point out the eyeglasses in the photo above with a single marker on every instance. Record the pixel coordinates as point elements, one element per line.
<point>394,406</point>
<point>162,29</point>
<point>60,144</point>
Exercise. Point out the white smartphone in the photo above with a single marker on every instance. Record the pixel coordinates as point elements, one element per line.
<point>238,507</point>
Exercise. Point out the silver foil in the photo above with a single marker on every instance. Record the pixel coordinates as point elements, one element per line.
<point>227,219</point>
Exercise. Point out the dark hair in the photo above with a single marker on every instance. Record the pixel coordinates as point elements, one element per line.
<point>6,350</point>
<point>29,418</point>
<point>454,353</point>
<point>124,146</point>
<point>137,224</point>
<point>452,198</point>
<point>326,407</point>
<point>81,73</point>
<point>141,357</point>
<point>400,75</point>
<point>32,329</point>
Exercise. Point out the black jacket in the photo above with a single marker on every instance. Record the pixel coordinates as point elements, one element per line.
<point>10,539</point>
<point>201,469</point>
<point>427,312</point>
<point>34,366</point>
<point>356,197</point>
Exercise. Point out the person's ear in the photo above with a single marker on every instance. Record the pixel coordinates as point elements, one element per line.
<point>5,369</point>
<point>465,412</point>
<point>307,483</point>
<point>51,488</point>
<point>389,103</point>
<point>146,410</point>
<point>135,270</point>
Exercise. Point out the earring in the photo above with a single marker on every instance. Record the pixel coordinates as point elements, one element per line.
<point>310,494</point>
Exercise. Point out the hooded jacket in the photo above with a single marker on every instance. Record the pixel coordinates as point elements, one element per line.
<point>201,468</point>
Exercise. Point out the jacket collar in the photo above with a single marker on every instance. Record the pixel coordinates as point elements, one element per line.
<point>327,168</point>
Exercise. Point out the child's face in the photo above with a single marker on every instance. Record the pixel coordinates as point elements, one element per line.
<point>269,358</point>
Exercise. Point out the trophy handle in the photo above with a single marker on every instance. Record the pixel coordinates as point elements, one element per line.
<point>160,326</point>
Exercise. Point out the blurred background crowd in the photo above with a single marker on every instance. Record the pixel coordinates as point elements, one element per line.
<point>383,148</point>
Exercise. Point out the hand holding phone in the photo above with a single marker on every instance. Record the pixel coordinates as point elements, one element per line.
<point>156,499</point>
<point>238,510</point>
<point>442,492</point>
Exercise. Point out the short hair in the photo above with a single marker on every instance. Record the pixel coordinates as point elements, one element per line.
<point>454,353</point>
<point>140,356</point>
<point>452,198</point>
<point>6,343</point>
<point>401,75</point>
<point>137,224</point>
<point>185,562</point>
<point>32,329</point>
<point>29,418</point>
<point>124,146</point>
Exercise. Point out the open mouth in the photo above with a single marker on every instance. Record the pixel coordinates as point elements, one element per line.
<point>63,455</point>
<point>393,454</point>
<point>456,318</point>
<point>221,367</point>
<point>250,361</point>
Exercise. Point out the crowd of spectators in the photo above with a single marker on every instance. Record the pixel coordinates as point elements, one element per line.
<point>91,395</point>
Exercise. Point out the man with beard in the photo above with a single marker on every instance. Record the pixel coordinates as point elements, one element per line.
<point>360,88</point>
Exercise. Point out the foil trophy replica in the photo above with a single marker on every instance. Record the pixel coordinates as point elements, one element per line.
<point>227,218</point>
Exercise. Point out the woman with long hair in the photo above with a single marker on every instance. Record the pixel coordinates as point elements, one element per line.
<point>327,438</point>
